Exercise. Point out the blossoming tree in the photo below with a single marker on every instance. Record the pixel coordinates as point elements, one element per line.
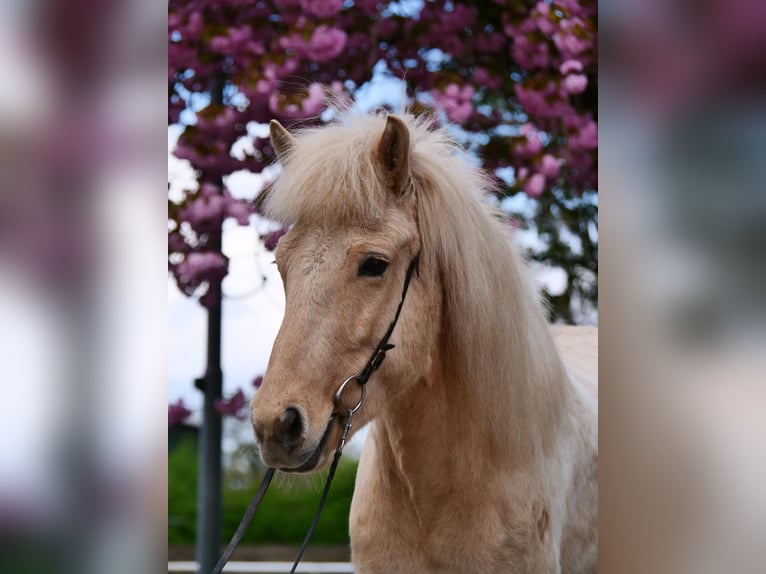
<point>518,79</point>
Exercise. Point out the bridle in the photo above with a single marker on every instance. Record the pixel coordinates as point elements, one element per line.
<point>373,364</point>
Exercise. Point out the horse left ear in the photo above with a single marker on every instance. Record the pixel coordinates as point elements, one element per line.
<point>281,140</point>
<point>393,155</point>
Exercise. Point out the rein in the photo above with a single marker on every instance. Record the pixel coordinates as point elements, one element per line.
<point>372,365</point>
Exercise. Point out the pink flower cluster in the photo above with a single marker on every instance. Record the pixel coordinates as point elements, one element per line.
<point>574,83</point>
<point>201,269</point>
<point>322,8</point>
<point>234,406</point>
<point>211,206</point>
<point>324,44</point>
<point>526,68</point>
<point>177,413</point>
<point>236,41</point>
<point>530,142</point>
<point>295,108</point>
<point>271,239</point>
<point>202,266</point>
<point>555,42</point>
<point>455,101</point>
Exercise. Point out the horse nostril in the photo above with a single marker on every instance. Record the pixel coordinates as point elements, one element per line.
<point>290,428</point>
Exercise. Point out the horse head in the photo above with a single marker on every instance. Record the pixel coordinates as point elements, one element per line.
<point>354,234</point>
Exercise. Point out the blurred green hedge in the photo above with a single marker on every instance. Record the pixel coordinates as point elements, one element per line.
<point>284,515</point>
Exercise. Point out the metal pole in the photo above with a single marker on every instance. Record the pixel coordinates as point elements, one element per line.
<point>209,474</point>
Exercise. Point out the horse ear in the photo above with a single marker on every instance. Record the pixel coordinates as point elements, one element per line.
<point>393,155</point>
<point>281,140</point>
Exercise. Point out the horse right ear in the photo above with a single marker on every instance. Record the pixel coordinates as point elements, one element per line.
<point>393,155</point>
<point>281,140</point>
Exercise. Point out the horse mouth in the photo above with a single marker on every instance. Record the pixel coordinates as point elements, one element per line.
<point>312,461</point>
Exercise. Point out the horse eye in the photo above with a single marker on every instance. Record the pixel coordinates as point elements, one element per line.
<point>373,267</point>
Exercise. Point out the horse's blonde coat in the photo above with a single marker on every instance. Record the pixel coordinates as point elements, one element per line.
<point>483,453</point>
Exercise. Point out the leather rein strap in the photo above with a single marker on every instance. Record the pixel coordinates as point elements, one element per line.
<point>373,364</point>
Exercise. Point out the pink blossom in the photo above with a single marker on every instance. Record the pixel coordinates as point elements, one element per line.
<point>542,18</point>
<point>177,413</point>
<point>532,101</point>
<point>339,95</point>
<point>194,25</point>
<point>549,166</point>
<point>271,239</point>
<point>322,8</point>
<point>177,244</point>
<point>240,36</point>
<point>278,106</point>
<point>205,212</point>
<point>570,66</point>
<point>200,266</point>
<point>532,143</point>
<point>294,108</point>
<point>482,77</point>
<point>545,25</point>
<point>325,43</point>
<point>258,381</point>
<point>527,129</point>
<point>530,54</point>
<point>209,190</point>
<point>575,83</point>
<point>491,43</point>
<point>239,210</point>
<point>535,185</point>
<point>315,101</point>
<point>586,138</point>
<point>294,43</point>
<point>569,44</point>
<point>211,206</point>
<point>255,48</point>
<point>264,86</point>
<point>455,101</point>
<point>233,407</point>
<point>220,44</point>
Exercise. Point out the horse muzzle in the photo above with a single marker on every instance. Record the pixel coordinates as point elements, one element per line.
<point>286,445</point>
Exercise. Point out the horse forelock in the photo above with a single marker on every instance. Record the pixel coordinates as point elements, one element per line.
<point>328,177</point>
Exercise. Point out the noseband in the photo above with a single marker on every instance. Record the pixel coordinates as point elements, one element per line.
<point>373,364</point>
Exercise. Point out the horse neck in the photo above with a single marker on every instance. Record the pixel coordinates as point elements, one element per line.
<point>498,403</point>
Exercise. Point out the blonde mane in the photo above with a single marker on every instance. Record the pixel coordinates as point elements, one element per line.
<point>497,335</point>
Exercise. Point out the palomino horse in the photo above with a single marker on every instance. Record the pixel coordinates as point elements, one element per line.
<point>482,451</point>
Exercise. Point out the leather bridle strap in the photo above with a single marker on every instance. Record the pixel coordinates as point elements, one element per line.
<point>373,364</point>
<point>379,354</point>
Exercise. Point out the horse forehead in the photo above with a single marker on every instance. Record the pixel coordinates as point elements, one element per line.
<point>318,247</point>
<point>314,245</point>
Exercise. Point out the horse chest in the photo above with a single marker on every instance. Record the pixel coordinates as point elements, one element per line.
<point>390,534</point>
